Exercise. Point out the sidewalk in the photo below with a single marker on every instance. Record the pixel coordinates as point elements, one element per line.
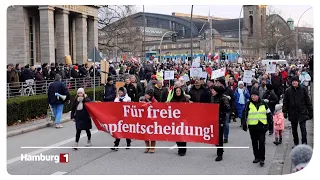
<point>33,125</point>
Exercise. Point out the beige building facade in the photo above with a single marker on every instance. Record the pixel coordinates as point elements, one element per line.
<point>46,34</point>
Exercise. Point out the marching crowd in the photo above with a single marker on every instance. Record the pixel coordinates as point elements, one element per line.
<point>257,106</point>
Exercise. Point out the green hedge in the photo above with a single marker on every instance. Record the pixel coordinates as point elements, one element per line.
<point>29,107</point>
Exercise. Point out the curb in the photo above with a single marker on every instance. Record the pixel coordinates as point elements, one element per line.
<point>33,128</point>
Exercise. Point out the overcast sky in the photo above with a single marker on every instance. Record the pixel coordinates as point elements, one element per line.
<point>233,11</point>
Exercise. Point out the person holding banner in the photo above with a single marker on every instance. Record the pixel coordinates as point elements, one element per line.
<point>81,117</point>
<point>255,117</point>
<point>149,98</point>
<point>122,97</point>
<point>224,108</point>
<point>178,96</point>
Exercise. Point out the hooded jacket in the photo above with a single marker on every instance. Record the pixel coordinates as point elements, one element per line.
<point>124,97</point>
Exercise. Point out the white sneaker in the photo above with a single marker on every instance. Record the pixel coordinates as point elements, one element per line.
<point>89,143</point>
<point>59,126</point>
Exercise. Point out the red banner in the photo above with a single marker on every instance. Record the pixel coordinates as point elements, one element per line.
<point>177,122</point>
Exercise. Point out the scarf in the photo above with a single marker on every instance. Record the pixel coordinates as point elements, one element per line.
<point>241,98</point>
<point>80,105</point>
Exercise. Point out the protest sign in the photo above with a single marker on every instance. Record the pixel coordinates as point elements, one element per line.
<point>195,72</point>
<point>271,68</point>
<point>247,76</point>
<point>157,121</point>
<point>195,64</point>
<point>218,73</point>
<point>204,75</point>
<point>186,78</point>
<point>168,75</point>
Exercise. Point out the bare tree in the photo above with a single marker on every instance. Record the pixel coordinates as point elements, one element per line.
<point>116,30</point>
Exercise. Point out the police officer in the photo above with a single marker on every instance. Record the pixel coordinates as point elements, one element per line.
<point>256,114</point>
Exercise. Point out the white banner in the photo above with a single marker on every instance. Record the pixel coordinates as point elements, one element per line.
<point>247,76</point>
<point>168,75</point>
<point>195,72</point>
<point>186,78</point>
<point>195,64</point>
<point>218,73</point>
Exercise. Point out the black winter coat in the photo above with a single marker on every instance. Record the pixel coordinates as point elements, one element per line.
<point>224,106</point>
<point>273,99</point>
<point>110,92</point>
<point>206,96</point>
<point>160,94</point>
<point>132,91</point>
<point>26,74</point>
<point>57,87</point>
<point>82,117</point>
<point>74,74</point>
<point>297,104</point>
<point>196,94</point>
<point>45,73</point>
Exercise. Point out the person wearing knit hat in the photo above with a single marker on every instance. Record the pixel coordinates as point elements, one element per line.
<point>256,116</point>
<point>122,97</point>
<point>218,97</point>
<point>110,91</point>
<point>38,69</point>
<point>241,96</point>
<point>222,81</point>
<point>81,117</point>
<point>300,157</point>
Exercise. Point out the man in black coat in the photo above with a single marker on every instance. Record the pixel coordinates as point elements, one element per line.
<point>131,90</point>
<point>229,94</point>
<point>160,92</point>
<point>27,74</point>
<point>110,91</point>
<point>298,107</point>
<point>45,71</point>
<point>272,100</point>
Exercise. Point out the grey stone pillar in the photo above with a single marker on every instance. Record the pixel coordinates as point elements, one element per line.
<point>92,33</point>
<point>74,42</point>
<point>47,34</point>
<point>81,38</point>
<point>62,35</point>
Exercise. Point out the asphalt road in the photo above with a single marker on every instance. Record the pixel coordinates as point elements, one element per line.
<point>133,161</point>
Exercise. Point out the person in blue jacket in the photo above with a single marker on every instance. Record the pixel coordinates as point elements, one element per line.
<point>241,96</point>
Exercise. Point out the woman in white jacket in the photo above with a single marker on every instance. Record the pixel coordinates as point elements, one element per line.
<point>122,97</point>
<point>304,78</point>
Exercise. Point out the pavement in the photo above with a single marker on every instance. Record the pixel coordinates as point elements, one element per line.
<point>103,161</point>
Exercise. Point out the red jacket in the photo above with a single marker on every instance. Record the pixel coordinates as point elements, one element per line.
<point>284,75</point>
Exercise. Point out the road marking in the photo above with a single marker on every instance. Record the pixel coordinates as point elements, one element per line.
<point>132,147</point>
<point>59,173</point>
<point>41,150</point>
<point>173,147</point>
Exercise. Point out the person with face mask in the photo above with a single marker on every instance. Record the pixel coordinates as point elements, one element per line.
<point>298,108</point>
<point>122,97</point>
<point>255,117</point>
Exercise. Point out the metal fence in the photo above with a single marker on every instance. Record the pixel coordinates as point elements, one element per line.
<point>31,87</point>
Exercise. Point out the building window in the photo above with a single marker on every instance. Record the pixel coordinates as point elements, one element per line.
<point>31,40</point>
<point>251,25</point>
<point>187,45</point>
<point>250,13</point>
<point>179,45</point>
<point>173,46</point>
<point>195,45</point>
<point>165,47</point>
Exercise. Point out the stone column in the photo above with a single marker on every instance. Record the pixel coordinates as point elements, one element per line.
<point>47,34</point>
<point>81,38</point>
<point>74,42</point>
<point>92,34</point>
<point>62,35</point>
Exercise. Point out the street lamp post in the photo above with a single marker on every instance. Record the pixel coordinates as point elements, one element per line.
<point>191,33</point>
<point>297,32</point>
<point>240,32</point>
<point>161,43</point>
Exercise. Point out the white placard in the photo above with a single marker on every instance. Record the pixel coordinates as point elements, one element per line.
<point>168,75</point>
<point>195,64</point>
<point>240,60</point>
<point>197,60</point>
<point>247,76</point>
<point>186,78</point>
<point>271,68</point>
<point>204,75</point>
<point>218,73</point>
<point>195,72</point>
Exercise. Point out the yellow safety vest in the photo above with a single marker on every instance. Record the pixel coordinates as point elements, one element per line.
<point>254,115</point>
<point>159,76</point>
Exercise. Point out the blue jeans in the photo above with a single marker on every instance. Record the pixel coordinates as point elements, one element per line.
<point>57,111</point>
<point>226,126</point>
